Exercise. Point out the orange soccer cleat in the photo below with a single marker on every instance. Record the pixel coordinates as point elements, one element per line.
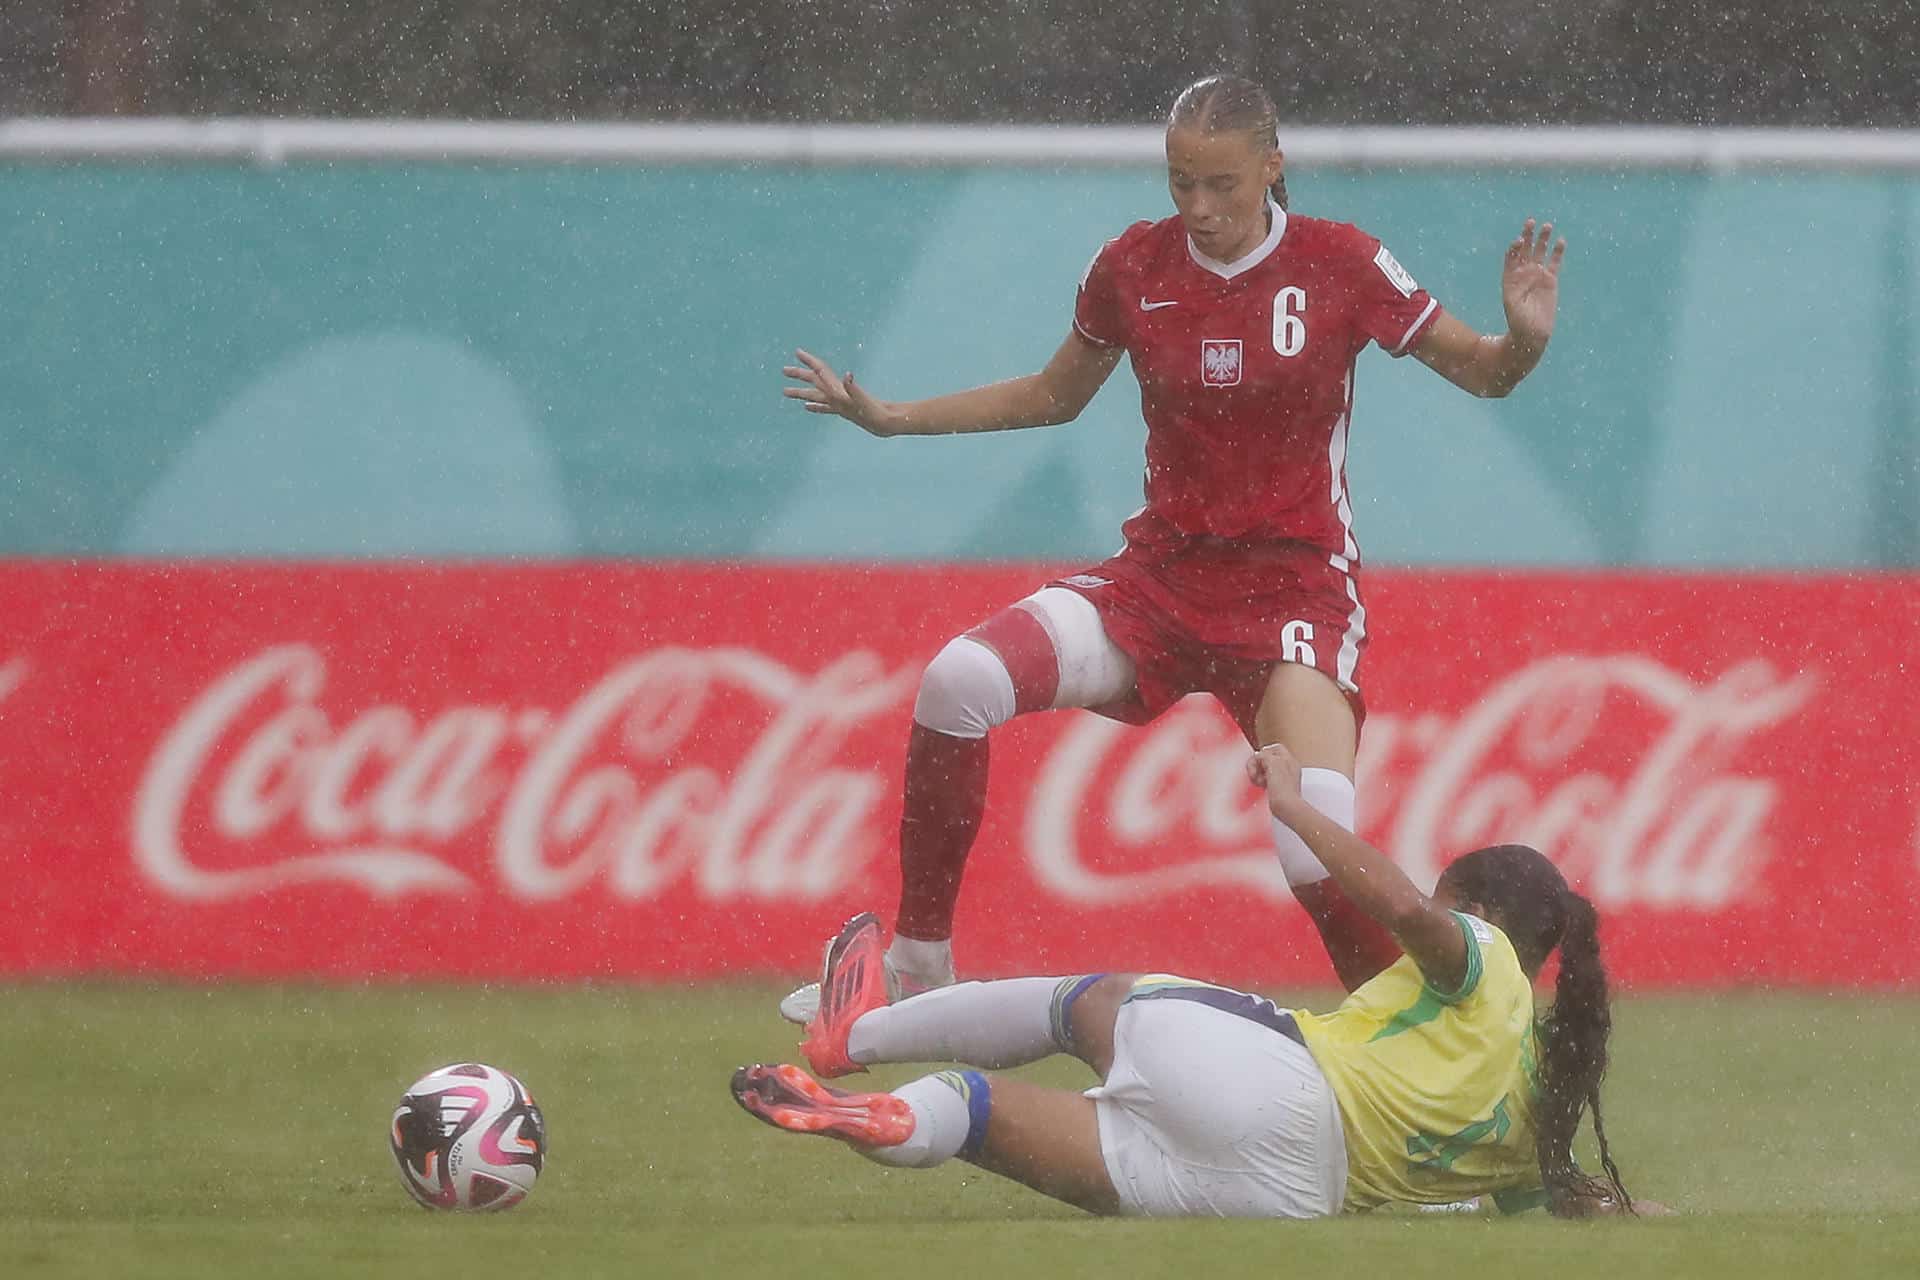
<point>853,982</point>
<point>788,1098</point>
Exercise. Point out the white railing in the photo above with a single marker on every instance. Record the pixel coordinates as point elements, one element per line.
<point>274,142</point>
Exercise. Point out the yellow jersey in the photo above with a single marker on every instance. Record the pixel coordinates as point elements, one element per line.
<point>1436,1088</point>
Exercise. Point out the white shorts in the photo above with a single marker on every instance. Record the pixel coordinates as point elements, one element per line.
<point>1212,1111</point>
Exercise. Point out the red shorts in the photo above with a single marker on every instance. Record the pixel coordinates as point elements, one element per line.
<point>1214,617</point>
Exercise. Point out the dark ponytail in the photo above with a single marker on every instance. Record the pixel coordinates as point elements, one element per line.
<point>1279,190</point>
<point>1573,1060</point>
<point>1539,914</point>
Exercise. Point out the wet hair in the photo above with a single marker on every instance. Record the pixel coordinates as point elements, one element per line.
<point>1226,104</point>
<point>1529,899</point>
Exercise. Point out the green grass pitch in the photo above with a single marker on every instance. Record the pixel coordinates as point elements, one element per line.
<point>240,1131</point>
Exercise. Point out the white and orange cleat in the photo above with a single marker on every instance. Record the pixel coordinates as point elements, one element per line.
<point>853,981</point>
<point>788,1098</point>
<point>802,1005</point>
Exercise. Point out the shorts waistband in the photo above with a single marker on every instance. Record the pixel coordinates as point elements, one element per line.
<point>1176,541</point>
<point>1238,1003</point>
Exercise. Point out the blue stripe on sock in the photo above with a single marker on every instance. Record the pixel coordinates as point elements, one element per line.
<point>1069,990</point>
<point>978,1091</point>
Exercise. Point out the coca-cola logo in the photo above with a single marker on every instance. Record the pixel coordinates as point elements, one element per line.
<point>728,772</point>
<point>1622,770</point>
<point>594,793</point>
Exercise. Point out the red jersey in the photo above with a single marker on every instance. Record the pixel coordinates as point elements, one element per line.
<point>1246,372</point>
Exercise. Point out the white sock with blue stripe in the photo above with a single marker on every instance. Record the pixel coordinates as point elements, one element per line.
<point>950,1110</point>
<point>995,1025</point>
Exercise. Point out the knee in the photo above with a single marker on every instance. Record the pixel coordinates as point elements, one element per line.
<point>965,691</point>
<point>1108,993</point>
<point>1091,1020</point>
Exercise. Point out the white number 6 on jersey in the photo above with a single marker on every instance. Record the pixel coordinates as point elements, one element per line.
<point>1289,330</point>
<point>1296,643</point>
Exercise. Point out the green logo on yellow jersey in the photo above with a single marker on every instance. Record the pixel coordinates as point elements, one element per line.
<point>1431,1153</point>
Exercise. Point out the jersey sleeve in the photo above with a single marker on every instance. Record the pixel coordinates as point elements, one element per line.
<point>1472,929</point>
<point>1096,310</point>
<point>1393,310</point>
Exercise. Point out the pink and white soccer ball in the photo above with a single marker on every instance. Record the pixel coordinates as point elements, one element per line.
<point>469,1138</point>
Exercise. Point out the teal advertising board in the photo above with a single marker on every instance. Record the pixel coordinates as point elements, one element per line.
<point>359,360</point>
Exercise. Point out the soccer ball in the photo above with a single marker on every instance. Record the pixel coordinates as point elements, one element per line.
<point>468,1137</point>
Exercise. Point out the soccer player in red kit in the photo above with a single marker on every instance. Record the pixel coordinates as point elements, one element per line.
<point>1239,575</point>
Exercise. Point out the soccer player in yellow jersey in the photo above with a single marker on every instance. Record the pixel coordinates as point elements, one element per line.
<point>1433,1083</point>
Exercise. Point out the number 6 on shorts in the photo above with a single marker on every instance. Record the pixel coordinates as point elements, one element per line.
<point>1296,644</point>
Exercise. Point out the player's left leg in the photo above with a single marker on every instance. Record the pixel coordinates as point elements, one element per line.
<point>1047,1139</point>
<point>1304,709</point>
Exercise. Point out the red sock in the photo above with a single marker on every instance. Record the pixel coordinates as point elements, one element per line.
<point>946,793</point>
<point>946,790</point>
<point>1359,946</point>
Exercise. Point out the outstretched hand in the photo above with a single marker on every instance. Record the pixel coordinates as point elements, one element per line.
<point>1605,1206</point>
<point>1530,284</point>
<point>1274,768</point>
<point>824,391</point>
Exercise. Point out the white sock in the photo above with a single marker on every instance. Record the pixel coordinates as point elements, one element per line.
<point>1329,791</point>
<point>990,1025</point>
<point>940,1123</point>
<point>927,963</point>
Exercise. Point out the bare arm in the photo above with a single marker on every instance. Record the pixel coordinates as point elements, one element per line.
<point>1424,929</point>
<point>1493,365</point>
<point>1054,395</point>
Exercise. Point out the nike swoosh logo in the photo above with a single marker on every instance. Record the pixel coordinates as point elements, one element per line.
<point>1155,306</point>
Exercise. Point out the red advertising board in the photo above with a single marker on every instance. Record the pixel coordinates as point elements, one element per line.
<point>684,771</point>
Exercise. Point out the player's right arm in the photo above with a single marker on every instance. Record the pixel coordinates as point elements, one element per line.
<point>1425,930</point>
<point>1054,395</point>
